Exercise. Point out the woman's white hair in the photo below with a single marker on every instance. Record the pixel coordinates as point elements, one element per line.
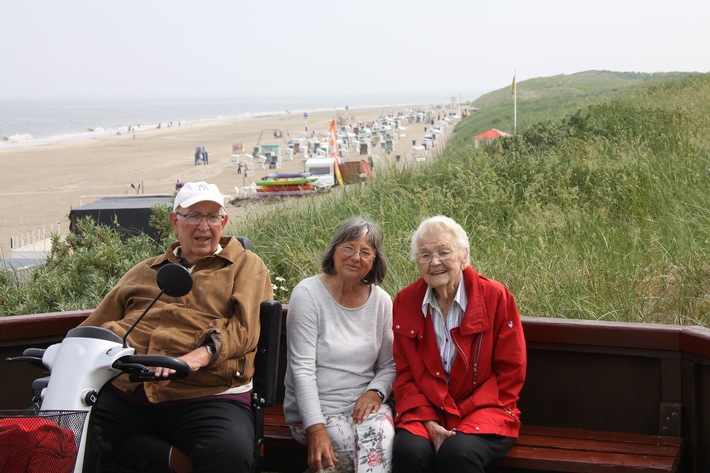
<point>441,224</point>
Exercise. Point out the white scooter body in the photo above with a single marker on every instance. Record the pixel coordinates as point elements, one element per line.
<point>90,357</point>
<point>80,367</point>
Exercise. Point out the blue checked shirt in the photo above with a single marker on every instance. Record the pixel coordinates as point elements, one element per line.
<point>444,325</point>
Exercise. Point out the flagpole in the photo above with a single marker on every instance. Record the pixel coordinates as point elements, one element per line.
<point>515,105</point>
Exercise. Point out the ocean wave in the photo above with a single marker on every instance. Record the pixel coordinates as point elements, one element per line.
<point>17,138</point>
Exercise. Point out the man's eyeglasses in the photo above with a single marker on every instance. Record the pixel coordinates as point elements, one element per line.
<point>442,255</point>
<point>350,251</point>
<point>195,219</point>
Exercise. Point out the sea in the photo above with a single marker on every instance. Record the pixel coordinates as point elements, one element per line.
<point>32,122</point>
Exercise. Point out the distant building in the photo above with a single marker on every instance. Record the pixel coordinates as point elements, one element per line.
<point>131,213</point>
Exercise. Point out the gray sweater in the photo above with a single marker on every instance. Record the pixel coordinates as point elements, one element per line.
<point>335,353</point>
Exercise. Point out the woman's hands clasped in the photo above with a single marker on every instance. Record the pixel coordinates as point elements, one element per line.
<point>437,433</point>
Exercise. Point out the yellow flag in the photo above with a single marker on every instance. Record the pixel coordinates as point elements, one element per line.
<point>512,87</point>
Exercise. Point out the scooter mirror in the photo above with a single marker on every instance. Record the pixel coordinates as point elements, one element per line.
<point>174,280</point>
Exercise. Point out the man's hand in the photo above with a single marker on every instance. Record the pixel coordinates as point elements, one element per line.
<point>196,359</point>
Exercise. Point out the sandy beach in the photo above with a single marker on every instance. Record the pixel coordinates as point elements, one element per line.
<point>41,184</point>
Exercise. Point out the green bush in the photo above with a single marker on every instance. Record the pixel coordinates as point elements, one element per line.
<point>80,270</point>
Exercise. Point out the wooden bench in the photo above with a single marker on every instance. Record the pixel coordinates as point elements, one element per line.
<point>680,354</point>
<point>590,451</point>
<point>537,448</point>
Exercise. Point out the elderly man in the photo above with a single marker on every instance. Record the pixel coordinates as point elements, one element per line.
<point>214,329</point>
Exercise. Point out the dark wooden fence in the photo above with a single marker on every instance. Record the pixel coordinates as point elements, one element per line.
<point>625,377</point>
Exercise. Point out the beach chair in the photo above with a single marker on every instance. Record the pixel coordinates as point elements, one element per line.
<point>250,190</point>
<point>261,161</point>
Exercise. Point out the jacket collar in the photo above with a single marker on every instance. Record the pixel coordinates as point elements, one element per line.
<point>231,249</point>
<point>475,319</point>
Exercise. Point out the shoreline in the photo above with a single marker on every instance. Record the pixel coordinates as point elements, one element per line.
<point>42,183</point>
<point>77,127</point>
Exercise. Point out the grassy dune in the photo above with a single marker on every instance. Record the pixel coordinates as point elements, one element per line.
<point>599,211</point>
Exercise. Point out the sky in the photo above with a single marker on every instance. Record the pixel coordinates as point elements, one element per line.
<point>255,48</point>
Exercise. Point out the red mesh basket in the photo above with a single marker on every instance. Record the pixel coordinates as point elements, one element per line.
<point>41,441</point>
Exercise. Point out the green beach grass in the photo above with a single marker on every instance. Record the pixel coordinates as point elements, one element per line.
<point>596,212</point>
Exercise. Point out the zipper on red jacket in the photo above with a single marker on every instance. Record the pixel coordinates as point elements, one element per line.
<point>509,412</point>
<point>475,359</point>
<point>477,353</point>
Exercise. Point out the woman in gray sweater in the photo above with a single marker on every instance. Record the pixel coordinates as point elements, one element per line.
<point>340,366</point>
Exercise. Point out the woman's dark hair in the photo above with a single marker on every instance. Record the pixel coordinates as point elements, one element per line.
<point>354,229</point>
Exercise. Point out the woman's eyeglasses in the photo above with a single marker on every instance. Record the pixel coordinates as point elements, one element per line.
<point>350,251</point>
<point>442,255</point>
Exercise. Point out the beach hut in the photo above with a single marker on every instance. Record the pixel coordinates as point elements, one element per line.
<point>129,214</point>
<point>454,115</point>
<point>272,152</point>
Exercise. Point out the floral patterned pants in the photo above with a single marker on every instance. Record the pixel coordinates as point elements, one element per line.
<point>365,447</point>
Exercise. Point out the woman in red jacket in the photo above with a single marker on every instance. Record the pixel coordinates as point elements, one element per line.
<point>460,356</point>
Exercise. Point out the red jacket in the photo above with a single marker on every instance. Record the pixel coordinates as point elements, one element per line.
<point>488,372</point>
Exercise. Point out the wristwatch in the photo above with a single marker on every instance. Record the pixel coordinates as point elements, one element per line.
<point>379,393</point>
